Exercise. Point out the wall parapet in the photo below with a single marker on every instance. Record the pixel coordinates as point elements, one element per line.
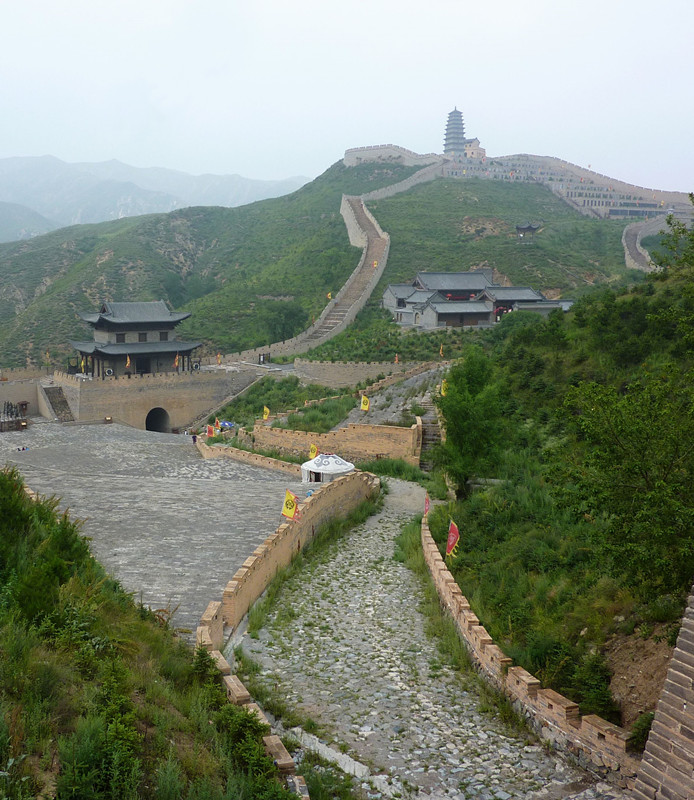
<point>597,744</point>
<point>335,499</point>
<point>247,457</point>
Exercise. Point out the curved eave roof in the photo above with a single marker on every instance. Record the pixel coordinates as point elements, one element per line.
<point>135,348</point>
<point>134,313</point>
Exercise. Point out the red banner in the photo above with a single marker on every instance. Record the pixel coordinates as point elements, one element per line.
<point>426,503</point>
<point>453,536</point>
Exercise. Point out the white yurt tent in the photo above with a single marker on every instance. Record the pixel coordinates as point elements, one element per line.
<point>325,467</point>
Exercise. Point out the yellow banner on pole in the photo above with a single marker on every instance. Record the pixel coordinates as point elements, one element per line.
<point>291,505</point>
<point>313,451</point>
<point>365,403</point>
<point>266,412</point>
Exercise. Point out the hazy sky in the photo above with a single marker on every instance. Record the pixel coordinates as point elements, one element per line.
<point>273,88</point>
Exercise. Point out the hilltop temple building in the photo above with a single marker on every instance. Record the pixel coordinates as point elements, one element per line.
<point>134,338</point>
<point>455,145</point>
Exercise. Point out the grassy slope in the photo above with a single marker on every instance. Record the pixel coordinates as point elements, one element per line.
<point>98,699</point>
<point>452,225</point>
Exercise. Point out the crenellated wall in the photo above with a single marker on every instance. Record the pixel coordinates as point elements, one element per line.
<point>355,442</point>
<point>331,500</point>
<point>597,744</point>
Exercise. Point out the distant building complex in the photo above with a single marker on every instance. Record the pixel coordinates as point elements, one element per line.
<point>588,192</point>
<point>461,299</point>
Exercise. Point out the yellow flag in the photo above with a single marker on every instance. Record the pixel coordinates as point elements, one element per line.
<point>176,362</point>
<point>219,358</point>
<point>313,451</point>
<point>330,295</point>
<point>365,403</point>
<point>290,507</point>
<point>441,350</point>
<point>266,412</point>
<point>444,388</point>
<point>127,362</point>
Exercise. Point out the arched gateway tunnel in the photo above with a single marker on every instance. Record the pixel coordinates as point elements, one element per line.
<point>158,420</point>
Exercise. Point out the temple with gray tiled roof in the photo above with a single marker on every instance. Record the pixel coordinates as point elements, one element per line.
<point>460,299</point>
<point>134,338</point>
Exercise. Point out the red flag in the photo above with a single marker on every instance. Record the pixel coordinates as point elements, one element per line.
<point>210,430</point>
<point>426,503</point>
<point>453,536</point>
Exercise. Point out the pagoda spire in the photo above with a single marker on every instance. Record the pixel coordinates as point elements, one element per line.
<point>454,143</point>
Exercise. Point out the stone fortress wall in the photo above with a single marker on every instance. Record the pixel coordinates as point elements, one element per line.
<point>355,442</point>
<point>589,192</point>
<point>598,745</point>
<point>183,395</point>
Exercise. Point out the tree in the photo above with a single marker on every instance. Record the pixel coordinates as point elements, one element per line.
<point>472,412</point>
<point>638,474</point>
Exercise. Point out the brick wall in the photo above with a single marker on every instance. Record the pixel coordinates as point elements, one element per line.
<point>355,442</point>
<point>598,745</point>
<point>667,768</point>
<point>184,396</point>
<point>336,499</point>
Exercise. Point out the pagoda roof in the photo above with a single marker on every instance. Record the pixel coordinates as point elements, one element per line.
<point>134,348</point>
<point>124,313</point>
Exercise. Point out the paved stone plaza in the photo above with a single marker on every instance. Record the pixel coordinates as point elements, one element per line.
<point>172,527</point>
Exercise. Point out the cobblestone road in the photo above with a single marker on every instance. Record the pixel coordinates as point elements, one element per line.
<point>346,645</point>
<point>169,525</point>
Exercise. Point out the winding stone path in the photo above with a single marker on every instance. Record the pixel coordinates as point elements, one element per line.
<point>346,645</point>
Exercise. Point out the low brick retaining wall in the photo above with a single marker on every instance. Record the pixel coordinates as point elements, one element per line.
<point>598,745</point>
<point>226,451</point>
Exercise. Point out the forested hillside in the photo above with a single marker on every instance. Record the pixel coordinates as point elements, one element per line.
<point>584,551</point>
<point>260,273</point>
<point>265,268</point>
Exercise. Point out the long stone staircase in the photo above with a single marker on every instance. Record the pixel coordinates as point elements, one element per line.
<point>431,435</point>
<point>56,398</point>
<point>375,252</point>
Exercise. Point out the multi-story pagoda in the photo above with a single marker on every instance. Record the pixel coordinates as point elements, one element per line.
<point>456,147</point>
<point>134,338</point>
<point>455,140</point>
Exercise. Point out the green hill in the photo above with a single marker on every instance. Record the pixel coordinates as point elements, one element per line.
<point>259,273</point>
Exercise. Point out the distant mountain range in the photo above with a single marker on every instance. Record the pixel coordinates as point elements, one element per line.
<point>41,194</point>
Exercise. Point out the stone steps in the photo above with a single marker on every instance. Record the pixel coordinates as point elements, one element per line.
<point>56,398</point>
